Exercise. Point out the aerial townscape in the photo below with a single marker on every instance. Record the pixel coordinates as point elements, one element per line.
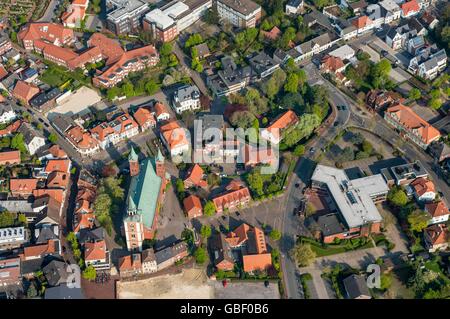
<point>326,174</point>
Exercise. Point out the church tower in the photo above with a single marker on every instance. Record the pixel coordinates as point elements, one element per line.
<point>160,168</point>
<point>133,162</point>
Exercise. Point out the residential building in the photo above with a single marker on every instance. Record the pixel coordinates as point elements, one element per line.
<point>423,189</point>
<point>120,128</point>
<point>82,140</point>
<point>24,92</point>
<point>195,177</point>
<point>427,19</point>
<point>167,22</point>
<point>251,155</point>
<point>380,100</point>
<point>223,258</point>
<point>22,187</point>
<point>45,100</point>
<point>263,65</point>
<point>144,118</point>
<point>315,46</point>
<point>160,112</point>
<point>125,16</point>
<point>363,24</point>
<point>46,32</point>
<point>145,197</point>
<point>274,131</point>
<point>241,13</point>
<point>63,292</point>
<point>440,151</point>
<point>356,287</point>
<point>192,206</point>
<point>331,64</point>
<point>410,8</point>
<point>439,212</point>
<point>10,158</point>
<point>7,113</point>
<point>236,196</point>
<point>357,7</point>
<point>294,7</point>
<point>436,237</point>
<point>186,98</point>
<point>130,61</point>
<point>32,138</point>
<point>96,255</point>
<point>5,44</point>
<point>57,273</point>
<point>397,37</point>
<point>168,256</point>
<point>274,34</point>
<point>130,265</point>
<point>354,199</point>
<point>202,51</point>
<point>75,13</point>
<point>404,174</point>
<point>429,62</point>
<point>392,9</point>
<point>10,272</point>
<point>12,237</point>
<point>51,247</point>
<point>411,125</point>
<point>230,78</point>
<point>175,139</point>
<point>148,261</point>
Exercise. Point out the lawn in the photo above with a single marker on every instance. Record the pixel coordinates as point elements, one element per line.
<point>58,76</point>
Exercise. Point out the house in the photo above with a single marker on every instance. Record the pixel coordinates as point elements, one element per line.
<point>168,256</point>
<point>12,237</point>
<point>273,34</point>
<point>202,51</point>
<point>75,13</point>
<point>392,10</point>
<point>415,44</point>
<point>423,189</point>
<point>439,212</point>
<point>32,138</point>
<point>273,132</point>
<point>235,197</point>
<point>429,20</point>
<point>414,24</point>
<point>11,128</point>
<point>251,240</point>
<point>144,200</point>
<point>379,100</point>
<point>186,98</point>
<point>88,235</point>
<point>192,206</point>
<point>149,264</point>
<point>130,265</point>
<point>10,158</point>
<point>242,14</point>
<point>429,62</point>
<point>22,187</point>
<point>251,155</point>
<point>436,237</point>
<point>63,292</point>
<point>315,46</point>
<point>221,251</point>
<point>363,24</point>
<point>344,52</point>
<point>294,7</point>
<point>52,33</point>
<point>45,100</point>
<point>263,65</point>
<point>175,138</point>
<point>10,271</point>
<point>440,151</point>
<point>144,118</point>
<point>411,125</point>
<point>58,165</point>
<point>82,140</point>
<point>24,92</point>
<point>5,44</point>
<point>160,112</point>
<point>57,273</point>
<point>96,254</point>
<point>7,113</point>
<point>195,178</point>
<point>410,8</point>
<point>357,7</point>
<point>356,287</point>
<point>398,36</point>
<point>331,64</point>
<point>118,129</point>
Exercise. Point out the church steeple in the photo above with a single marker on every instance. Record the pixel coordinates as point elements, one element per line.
<point>133,161</point>
<point>160,168</point>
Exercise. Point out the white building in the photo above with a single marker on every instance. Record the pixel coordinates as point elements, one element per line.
<point>186,98</point>
<point>7,113</point>
<point>239,13</point>
<point>12,235</point>
<point>33,140</point>
<point>294,7</point>
<point>393,11</point>
<point>438,211</point>
<point>148,262</point>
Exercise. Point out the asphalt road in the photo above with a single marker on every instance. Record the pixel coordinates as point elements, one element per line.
<point>49,14</point>
<point>302,173</point>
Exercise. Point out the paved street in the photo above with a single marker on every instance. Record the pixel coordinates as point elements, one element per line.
<point>49,14</point>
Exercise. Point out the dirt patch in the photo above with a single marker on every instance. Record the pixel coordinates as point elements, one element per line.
<point>189,284</point>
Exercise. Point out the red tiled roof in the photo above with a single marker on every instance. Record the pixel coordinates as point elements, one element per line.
<point>25,91</point>
<point>110,48</point>
<point>362,22</point>
<point>422,186</point>
<point>257,262</point>
<point>174,134</point>
<point>255,155</point>
<point>40,250</point>
<point>160,109</point>
<point>127,263</point>
<point>59,165</point>
<point>332,63</point>
<point>95,250</point>
<point>125,121</point>
<point>410,6</point>
<point>23,185</point>
<point>11,128</point>
<point>10,157</point>
<point>54,193</point>
<point>58,179</point>
<point>3,72</point>
<point>57,151</point>
<point>192,205</point>
<point>143,116</point>
<point>195,176</point>
<point>285,120</point>
<point>81,138</point>
<point>436,234</point>
<point>273,34</point>
<point>437,209</point>
<point>234,195</point>
<point>45,31</point>
<point>410,120</point>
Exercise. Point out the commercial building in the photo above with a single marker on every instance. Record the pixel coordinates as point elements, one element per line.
<point>167,22</point>
<point>239,13</point>
<point>354,199</point>
<point>120,128</point>
<point>125,16</point>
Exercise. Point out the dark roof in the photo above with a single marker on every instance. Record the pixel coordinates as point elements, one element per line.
<point>220,249</point>
<point>45,234</point>
<point>330,225</point>
<point>356,286</point>
<point>63,292</point>
<point>90,235</point>
<point>28,132</point>
<point>62,123</point>
<point>44,97</point>
<point>56,273</point>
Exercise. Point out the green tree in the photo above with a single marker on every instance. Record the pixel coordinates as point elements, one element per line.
<point>113,93</point>
<point>22,219</point>
<point>53,138</point>
<point>209,209</point>
<point>7,219</point>
<point>128,89</point>
<point>18,143</point>
<point>303,254</point>
<point>414,94</point>
<point>151,87</point>
<point>275,234</point>
<point>274,84</point>
<point>200,255</point>
<point>205,231</point>
<point>292,82</point>
<point>435,103</point>
<point>255,182</point>
<point>194,39</point>
<point>397,197</point>
<point>242,119</point>
<point>367,147</point>
<point>299,150</point>
<point>89,273</point>
<point>165,49</point>
<point>418,220</point>
<point>386,281</point>
<point>32,291</point>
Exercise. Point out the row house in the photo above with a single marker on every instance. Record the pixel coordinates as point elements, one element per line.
<point>235,197</point>
<point>315,46</point>
<point>411,125</point>
<point>131,61</point>
<point>110,133</point>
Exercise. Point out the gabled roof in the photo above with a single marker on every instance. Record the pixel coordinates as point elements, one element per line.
<point>130,262</point>
<point>283,121</point>
<point>25,91</point>
<point>11,156</point>
<point>409,119</point>
<point>257,262</point>
<point>195,176</point>
<point>410,6</point>
<point>422,186</point>
<point>332,63</point>
<point>23,185</point>
<point>437,209</point>
<point>174,134</point>
<point>58,179</point>
<point>436,234</point>
<point>45,31</point>
<point>95,250</point>
<point>362,22</point>
<point>356,287</point>
<point>143,116</point>
<point>160,109</point>
<point>192,202</point>
<point>57,165</point>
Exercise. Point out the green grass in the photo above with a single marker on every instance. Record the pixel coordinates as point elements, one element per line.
<point>323,250</point>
